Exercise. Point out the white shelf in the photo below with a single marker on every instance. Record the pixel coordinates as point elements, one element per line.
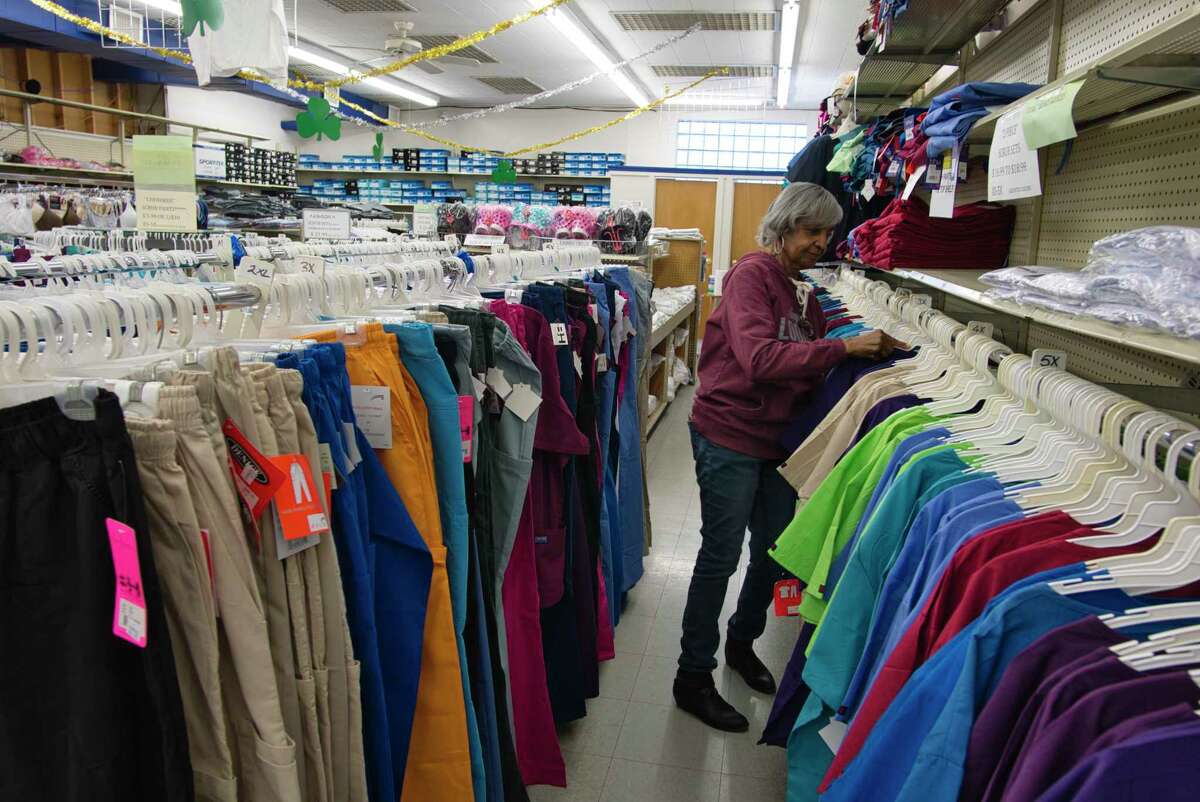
<point>46,169</point>
<point>247,184</point>
<point>965,284</point>
<point>673,323</point>
<point>488,175</point>
<point>1100,98</point>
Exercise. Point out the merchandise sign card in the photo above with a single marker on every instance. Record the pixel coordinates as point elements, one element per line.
<point>257,480</point>
<point>298,501</point>
<point>373,409</point>
<point>1012,165</point>
<point>325,224</point>
<point>164,178</point>
<point>129,609</point>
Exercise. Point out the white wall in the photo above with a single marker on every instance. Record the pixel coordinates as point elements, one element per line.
<point>646,140</point>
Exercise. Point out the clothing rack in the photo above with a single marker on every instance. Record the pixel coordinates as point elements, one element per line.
<point>128,262</point>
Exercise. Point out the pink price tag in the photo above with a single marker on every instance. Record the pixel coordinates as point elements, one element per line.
<point>466,424</point>
<point>129,609</point>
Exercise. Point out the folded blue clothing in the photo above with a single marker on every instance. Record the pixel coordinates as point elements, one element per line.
<point>983,93</point>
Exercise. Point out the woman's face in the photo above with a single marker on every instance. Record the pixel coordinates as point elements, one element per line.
<point>802,247</point>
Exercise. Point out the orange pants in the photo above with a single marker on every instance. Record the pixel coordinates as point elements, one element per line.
<point>439,755</point>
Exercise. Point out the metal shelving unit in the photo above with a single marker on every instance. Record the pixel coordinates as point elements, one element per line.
<point>367,170</point>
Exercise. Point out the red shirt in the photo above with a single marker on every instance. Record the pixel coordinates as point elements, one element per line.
<point>762,355</point>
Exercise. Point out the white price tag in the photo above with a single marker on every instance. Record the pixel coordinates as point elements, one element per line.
<point>1048,358</point>
<point>522,401</point>
<point>373,409</point>
<point>559,332</point>
<point>980,327</point>
<point>941,202</point>
<point>868,190</point>
<point>498,383</point>
<point>833,734</point>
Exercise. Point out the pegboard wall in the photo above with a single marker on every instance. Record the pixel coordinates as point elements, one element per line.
<point>1111,363</point>
<point>1022,54</point>
<point>1120,177</point>
<point>1093,28</point>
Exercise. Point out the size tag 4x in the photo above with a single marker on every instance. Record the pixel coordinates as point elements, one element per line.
<point>129,607</point>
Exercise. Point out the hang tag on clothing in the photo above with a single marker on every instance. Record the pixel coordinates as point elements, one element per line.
<point>559,332</point>
<point>466,425</point>
<point>255,477</point>
<point>594,311</point>
<point>285,548</point>
<point>373,409</point>
<point>328,472</point>
<point>129,606</point>
<point>602,363</point>
<point>297,502</point>
<point>833,734</point>
<point>206,542</point>
<point>941,202</point>
<point>868,190</point>
<point>479,386</point>
<point>913,180</point>
<point>351,440</point>
<point>522,401</point>
<point>513,297</point>
<point>498,383</point>
<point>787,597</point>
<point>578,365</point>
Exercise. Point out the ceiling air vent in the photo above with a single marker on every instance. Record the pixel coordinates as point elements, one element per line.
<point>429,40</point>
<point>710,20</point>
<point>509,86</point>
<point>697,70</point>
<point>371,6</point>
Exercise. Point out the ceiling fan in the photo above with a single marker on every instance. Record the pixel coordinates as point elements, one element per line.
<point>399,44</point>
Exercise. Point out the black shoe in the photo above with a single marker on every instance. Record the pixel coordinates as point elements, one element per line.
<point>700,698</point>
<point>740,656</point>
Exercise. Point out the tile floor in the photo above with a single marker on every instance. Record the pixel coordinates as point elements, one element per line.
<point>635,745</point>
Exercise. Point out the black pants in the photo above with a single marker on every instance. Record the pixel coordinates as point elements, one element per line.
<point>84,715</point>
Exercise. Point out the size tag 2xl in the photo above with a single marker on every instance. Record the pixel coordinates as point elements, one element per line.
<point>129,608</point>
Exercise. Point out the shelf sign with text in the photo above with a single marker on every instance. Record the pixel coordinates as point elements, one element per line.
<point>210,160</point>
<point>164,177</point>
<point>325,223</point>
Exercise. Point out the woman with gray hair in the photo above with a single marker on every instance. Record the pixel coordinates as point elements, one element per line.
<point>763,354</point>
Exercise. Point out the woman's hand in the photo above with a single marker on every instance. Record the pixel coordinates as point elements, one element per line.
<point>872,345</point>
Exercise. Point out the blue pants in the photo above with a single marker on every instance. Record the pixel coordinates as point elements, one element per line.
<point>736,492</point>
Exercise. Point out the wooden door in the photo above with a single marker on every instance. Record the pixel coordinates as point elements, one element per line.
<point>687,204</point>
<point>750,203</point>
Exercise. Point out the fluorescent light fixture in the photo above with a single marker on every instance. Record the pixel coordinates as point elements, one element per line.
<point>586,45</point>
<point>382,84</point>
<point>785,88</point>
<point>716,100</point>
<point>787,49</point>
<point>169,6</point>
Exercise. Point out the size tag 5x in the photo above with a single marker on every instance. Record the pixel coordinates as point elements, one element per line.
<point>129,608</point>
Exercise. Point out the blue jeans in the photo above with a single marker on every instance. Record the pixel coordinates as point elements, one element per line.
<point>736,492</point>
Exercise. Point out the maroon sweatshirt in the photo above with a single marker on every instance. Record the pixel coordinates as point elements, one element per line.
<point>761,357</point>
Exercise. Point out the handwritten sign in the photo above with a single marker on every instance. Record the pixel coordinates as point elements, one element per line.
<point>325,224</point>
<point>164,178</point>
<point>1012,165</point>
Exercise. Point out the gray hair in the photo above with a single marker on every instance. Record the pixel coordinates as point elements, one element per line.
<point>800,204</point>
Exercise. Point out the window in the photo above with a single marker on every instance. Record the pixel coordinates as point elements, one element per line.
<point>736,145</point>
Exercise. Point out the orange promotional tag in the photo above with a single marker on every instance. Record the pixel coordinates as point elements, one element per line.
<point>787,597</point>
<point>298,499</point>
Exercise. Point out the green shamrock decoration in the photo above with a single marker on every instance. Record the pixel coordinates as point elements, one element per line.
<point>318,121</point>
<point>504,173</point>
<point>200,13</point>
<point>377,151</point>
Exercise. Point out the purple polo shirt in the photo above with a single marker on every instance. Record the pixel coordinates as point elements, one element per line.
<point>1160,765</point>
<point>1051,753</point>
<point>1000,723</point>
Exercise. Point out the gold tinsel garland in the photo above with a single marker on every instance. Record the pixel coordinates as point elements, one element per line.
<point>544,145</point>
<point>303,83</point>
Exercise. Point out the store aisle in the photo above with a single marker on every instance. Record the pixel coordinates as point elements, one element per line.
<point>635,745</point>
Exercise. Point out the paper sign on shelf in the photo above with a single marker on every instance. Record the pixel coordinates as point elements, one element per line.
<point>298,501</point>
<point>424,224</point>
<point>485,240</point>
<point>1012,165</point>
<point>164,178</point>
<point>1048,118</point>
<point>129,606</point>
<point>941,202</point>
<point>913,180</point>
<point>373,409</point>
<point>325,224</point>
